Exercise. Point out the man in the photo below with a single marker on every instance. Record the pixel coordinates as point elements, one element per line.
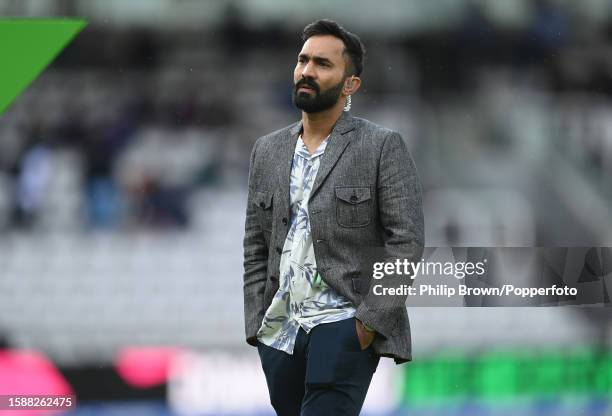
<point>320,192</point>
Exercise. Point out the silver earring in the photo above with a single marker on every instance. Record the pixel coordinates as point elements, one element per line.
<point>347,106</point>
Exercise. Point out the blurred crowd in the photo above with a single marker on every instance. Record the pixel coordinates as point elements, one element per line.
<point>145,118</point>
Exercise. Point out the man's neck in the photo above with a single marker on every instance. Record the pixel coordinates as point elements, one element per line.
<point>317,126</point>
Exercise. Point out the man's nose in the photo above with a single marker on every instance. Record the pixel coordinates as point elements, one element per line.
<point>308,71</point>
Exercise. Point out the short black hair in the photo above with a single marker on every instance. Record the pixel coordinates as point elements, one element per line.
<point>352,44</point>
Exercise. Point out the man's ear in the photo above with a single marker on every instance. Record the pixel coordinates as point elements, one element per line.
<point>351,85</point>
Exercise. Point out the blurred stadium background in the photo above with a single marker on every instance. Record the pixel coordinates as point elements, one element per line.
<point>123,175</point>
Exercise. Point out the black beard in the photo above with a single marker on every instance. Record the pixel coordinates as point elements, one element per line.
<point>317,102</point>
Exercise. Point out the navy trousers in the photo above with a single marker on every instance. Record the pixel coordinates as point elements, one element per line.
<point>327,374</point>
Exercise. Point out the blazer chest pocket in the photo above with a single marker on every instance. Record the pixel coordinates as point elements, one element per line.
<point>263,201</point>
<point>353,206</point>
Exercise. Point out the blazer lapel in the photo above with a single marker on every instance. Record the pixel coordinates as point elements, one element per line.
<point>285,159</point>
<point>338,141</point>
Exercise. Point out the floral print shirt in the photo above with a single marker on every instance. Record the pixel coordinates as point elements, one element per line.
<point>303,299</point>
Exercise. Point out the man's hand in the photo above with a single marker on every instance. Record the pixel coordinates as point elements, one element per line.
<point>365,337</point>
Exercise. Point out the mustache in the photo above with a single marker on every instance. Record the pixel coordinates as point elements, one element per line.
<point>307,82</point>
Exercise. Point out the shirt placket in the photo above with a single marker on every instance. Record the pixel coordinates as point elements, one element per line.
<point>299,290</point>
<point>302,288</point>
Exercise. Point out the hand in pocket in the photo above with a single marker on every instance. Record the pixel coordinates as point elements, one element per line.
<point>365,337</point>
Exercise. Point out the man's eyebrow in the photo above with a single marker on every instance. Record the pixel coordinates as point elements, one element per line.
<point>318,59</point>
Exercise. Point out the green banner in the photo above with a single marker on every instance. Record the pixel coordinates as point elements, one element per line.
<point>496,376</point>
<point>27,47</point>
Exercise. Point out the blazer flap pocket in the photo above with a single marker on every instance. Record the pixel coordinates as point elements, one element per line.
<point>263,199</point>
<point>353,194</point>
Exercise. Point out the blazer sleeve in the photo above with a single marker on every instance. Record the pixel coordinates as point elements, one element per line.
<point>400,212</point>
<point>255,261</point>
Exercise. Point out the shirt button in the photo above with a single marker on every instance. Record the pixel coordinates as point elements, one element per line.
<point>285,221</point>
<point>354,198</point>
<point>320,241</point>
<point>279,250</point>
<point>262,205</point>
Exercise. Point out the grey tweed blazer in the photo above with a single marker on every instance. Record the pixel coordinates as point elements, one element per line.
<point>366,194</point>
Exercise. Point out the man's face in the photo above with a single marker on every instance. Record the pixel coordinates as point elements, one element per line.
<point>319,74</point>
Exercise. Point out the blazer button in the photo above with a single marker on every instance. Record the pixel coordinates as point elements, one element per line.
<point>285,221</point>
<point>262,205</point>
<point>279,250</point>
<point>273,278</point>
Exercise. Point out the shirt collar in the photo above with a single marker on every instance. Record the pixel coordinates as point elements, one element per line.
<point>302,150</point>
